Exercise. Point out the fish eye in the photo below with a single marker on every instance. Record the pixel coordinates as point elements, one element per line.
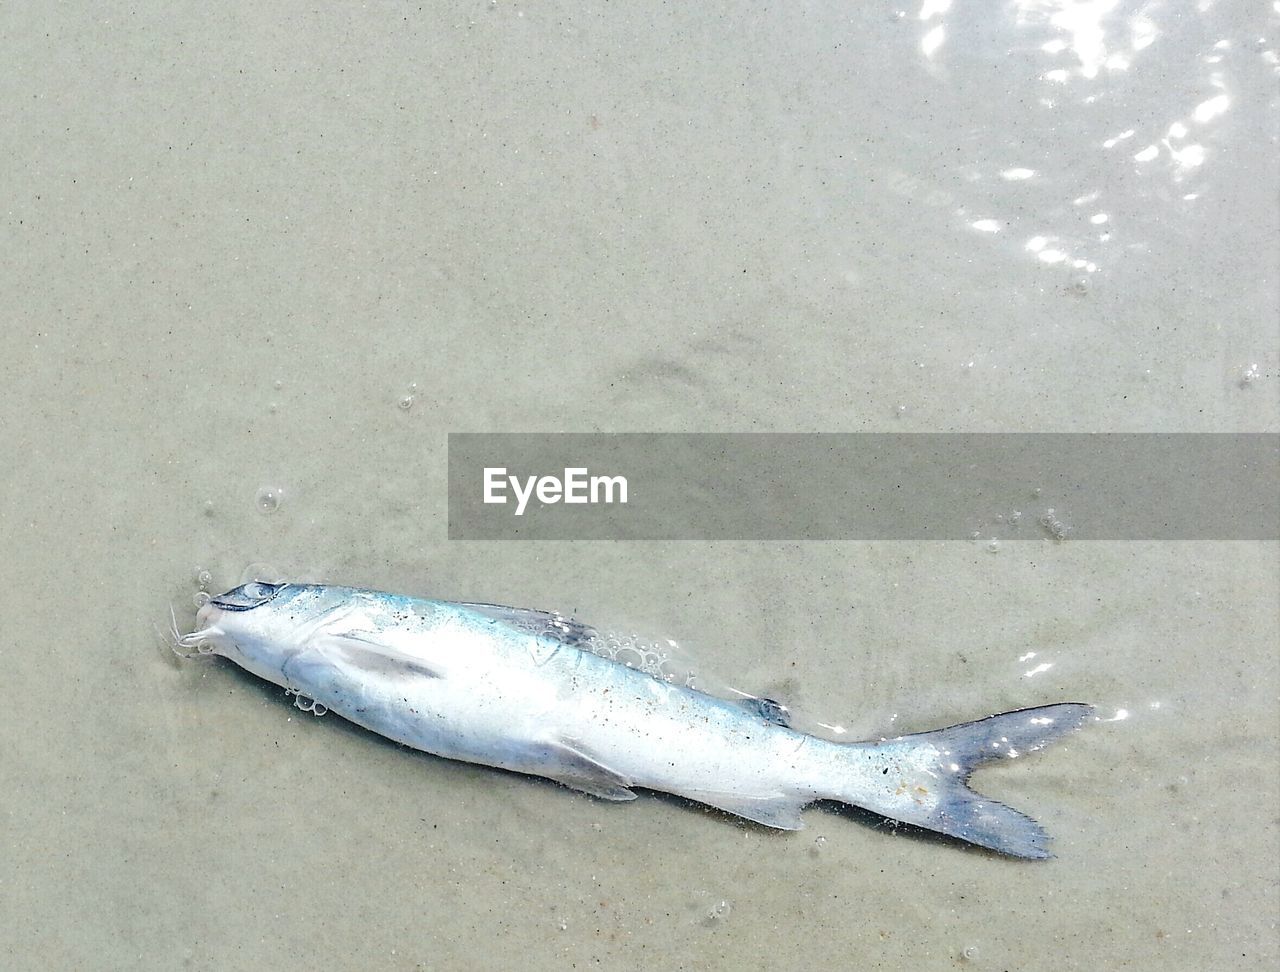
<point>247,596</point>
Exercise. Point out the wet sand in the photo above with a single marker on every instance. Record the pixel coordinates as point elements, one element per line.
<point>238,240</point>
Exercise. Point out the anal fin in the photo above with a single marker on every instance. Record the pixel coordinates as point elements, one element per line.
<point>780,810</point>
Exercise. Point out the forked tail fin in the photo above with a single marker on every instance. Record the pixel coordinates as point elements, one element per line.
<point>928,773</point>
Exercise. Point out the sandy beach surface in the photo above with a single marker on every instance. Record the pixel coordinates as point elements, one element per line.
<point>260,259</point>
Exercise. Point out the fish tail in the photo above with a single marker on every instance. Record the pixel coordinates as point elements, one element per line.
<point>926,776</point>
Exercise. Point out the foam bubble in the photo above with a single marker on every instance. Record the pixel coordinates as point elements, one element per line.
<point>263,573</point>
<point>719,911</point>
<point>653,658</point>
<point>269,499</point>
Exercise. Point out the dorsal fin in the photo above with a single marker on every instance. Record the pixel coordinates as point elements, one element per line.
<point>546,624</point>
<point>767,709</point>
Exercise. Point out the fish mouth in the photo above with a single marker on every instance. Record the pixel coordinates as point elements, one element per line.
<point>202,641</point>
<point>205,617</point>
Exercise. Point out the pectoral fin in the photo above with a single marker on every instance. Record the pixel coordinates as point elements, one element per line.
<point>365,650</point>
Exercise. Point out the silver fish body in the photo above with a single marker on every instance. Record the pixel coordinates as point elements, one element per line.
<point>518,690</point>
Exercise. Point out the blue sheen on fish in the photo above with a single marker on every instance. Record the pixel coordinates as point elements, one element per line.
<point>521,690</point>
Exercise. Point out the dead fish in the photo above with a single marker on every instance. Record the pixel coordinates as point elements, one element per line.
<point>520,690</point>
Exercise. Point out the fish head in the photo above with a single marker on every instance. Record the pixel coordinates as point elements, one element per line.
<point>260,626</point>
